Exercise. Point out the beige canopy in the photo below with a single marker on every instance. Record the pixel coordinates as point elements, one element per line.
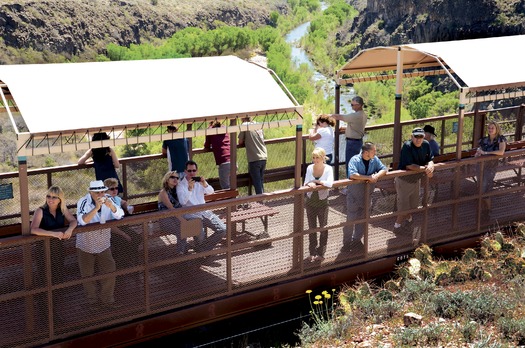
<point>61,105</point>
<point>482,69</point>
<point>474,65</point>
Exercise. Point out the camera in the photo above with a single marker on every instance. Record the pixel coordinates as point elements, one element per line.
<point>196,178</point>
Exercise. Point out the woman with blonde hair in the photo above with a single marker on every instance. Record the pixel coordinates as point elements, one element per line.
<point>167,200</point>
<point>318,173</point>
<point>47,219</point>
<point>493,144</point>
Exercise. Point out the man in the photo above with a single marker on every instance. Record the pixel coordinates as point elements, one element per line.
<point>256,153</point>
<point>220,145</point>
<point>365,167</point>
<point>355,129</point>
<point>191,191</point>
<point>93,248</point>
<point>415,156</point>
<point>177,151</point>
<point>430,136</point>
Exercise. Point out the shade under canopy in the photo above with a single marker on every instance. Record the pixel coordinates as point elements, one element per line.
<point>480,64</point>
<point>57,101</point>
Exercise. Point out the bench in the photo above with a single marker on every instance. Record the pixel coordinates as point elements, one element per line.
<point>240,214</point>
<point>218,195</point>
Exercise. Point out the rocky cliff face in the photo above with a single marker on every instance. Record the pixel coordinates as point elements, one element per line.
<point>71,27</point>
<point>392,22</point>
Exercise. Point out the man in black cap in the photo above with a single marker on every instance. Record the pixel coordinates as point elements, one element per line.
<point>416,156</point>
<point>430,136</point>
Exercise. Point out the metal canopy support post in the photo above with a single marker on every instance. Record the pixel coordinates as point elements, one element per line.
<point>298,155</point>
<point>24,194</point>
<point>233,157</point>
<point>397,115</point>
<point>336,147</point>
<point>461,116</point>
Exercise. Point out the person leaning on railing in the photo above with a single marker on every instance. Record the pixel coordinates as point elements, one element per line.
<point>493,144</point>
<point>49,217</point>
<point>416,155</point>
<point>365,167</point>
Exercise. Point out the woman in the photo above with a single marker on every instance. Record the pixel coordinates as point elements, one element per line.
<point>168,200</point>
<point>493,144</point>
<point>49,217</point>
<point>323,135</point>
<point>125,245</point>
<point>105,160</point>
<point>318,173</point>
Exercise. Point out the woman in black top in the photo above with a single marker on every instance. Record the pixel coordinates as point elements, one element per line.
<point>168,200</point>
<point>105,160</point>
<point>47,219</point>
<point>493,144</point>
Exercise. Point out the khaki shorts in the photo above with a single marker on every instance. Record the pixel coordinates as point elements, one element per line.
<point>407,194</point>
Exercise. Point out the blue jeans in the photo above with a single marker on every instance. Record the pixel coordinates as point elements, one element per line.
<point>256,170</point>
<point>353,147</point>
<point>209,219</point>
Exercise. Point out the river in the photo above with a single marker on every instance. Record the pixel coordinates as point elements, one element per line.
<point>299,56</point>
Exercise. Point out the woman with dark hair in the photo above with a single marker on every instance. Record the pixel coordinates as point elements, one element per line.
<point>49,217</point>
<point>105,160</point>
<point>323,135</point>
<point>493,144</point>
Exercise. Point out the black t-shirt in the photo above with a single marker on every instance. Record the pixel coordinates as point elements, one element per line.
<point>411,154</point>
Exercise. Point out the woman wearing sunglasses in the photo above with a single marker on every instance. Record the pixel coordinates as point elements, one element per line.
<point>47,219</point>
<point>125,245</point>
<point>168,200</point>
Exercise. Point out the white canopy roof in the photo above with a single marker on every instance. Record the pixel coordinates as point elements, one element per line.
<point>480,64</point>
<point>66,99</point>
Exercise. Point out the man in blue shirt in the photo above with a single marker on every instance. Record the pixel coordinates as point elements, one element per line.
<point>367,168</point>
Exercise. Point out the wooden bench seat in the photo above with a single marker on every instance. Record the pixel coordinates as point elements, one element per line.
<point>218,195</point>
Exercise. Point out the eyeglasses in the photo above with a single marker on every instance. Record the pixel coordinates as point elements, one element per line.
<point>419,136</point>
<point>174,177</point>
<point>52,197</point>
<point>191,170</point>
<point>113,188</point>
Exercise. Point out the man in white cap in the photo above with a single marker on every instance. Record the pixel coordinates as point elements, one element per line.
<point>416,155</point>
<point>93,248</point>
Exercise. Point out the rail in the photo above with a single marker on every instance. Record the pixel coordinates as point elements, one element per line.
<point>43,301</point>
<point>135,170</point>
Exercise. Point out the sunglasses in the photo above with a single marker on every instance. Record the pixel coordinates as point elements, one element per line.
<point>52,197</point>
<point>191,170</point>
<point>113,188</point>
<point>174,177</point>
<point>419,136</point>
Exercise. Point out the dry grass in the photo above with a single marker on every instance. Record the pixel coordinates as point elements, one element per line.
<point>472,301</point>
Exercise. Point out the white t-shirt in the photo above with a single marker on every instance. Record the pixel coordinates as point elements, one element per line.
<point>326,141</point>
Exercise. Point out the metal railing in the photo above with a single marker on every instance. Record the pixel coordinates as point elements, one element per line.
<point>43,300</point>
<point>136,172</point>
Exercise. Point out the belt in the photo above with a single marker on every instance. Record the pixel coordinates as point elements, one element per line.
<point>353,139</point>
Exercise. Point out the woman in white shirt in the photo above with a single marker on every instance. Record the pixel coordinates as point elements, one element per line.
<point>318,173</point>
<point>323,135</point>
